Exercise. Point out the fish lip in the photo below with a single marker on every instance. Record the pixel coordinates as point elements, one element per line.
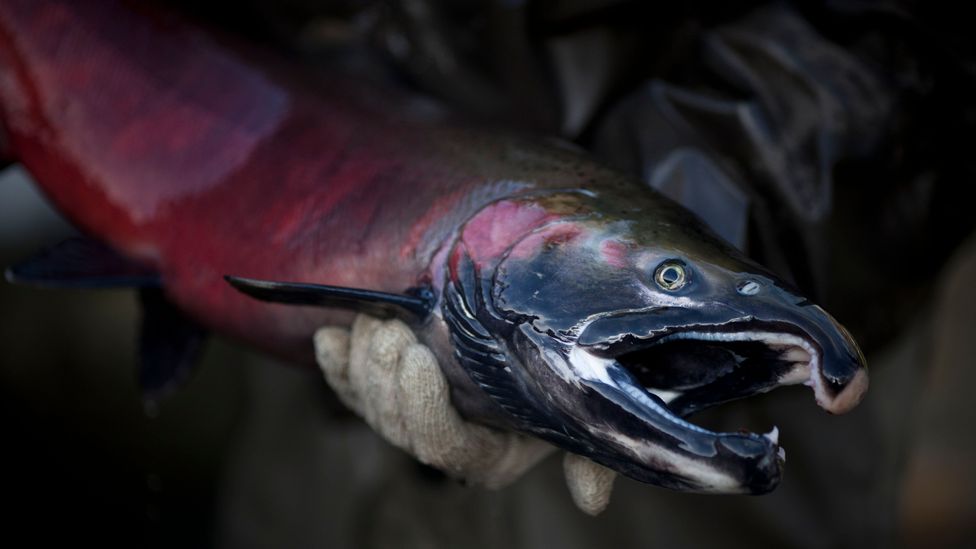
<point>615,346</point>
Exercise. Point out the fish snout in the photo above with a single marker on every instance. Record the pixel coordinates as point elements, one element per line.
<point>840,376</point>
<point>843,396</point>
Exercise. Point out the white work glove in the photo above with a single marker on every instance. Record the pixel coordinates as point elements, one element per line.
<point>382,373</point>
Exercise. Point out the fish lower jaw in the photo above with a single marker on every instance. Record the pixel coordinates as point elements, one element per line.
<point>668,396</point>
<point>707,461</point>
<point>594,369</point>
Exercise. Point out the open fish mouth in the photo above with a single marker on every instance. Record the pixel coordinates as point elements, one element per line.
<point>666,375</point>
<point>695,368</point>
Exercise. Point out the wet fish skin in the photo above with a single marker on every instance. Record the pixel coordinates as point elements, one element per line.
<point>538,315</point>
<point>199,159</point>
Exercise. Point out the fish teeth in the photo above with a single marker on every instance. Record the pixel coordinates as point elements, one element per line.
<point>666,396</point>
<point>773,435</point>
<point>781,452</point>
<point>796,354</point>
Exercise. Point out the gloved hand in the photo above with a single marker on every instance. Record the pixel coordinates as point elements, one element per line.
<point>382,373</point>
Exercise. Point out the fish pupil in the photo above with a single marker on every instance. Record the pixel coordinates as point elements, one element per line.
<point>670,276</point>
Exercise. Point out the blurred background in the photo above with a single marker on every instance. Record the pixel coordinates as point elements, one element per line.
<point>833,141</point>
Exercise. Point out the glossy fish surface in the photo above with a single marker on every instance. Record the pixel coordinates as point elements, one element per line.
<point>566,301</point>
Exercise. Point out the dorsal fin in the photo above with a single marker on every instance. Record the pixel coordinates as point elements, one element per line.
<point>82,263</point>
<point>417,302</point>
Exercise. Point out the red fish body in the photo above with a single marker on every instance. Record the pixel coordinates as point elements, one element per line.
<point>570,302</point>
<point>181,151</point>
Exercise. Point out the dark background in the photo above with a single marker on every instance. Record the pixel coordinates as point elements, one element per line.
<point>249,452</point>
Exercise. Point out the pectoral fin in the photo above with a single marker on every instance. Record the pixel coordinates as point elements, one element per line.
<point>415,302</point>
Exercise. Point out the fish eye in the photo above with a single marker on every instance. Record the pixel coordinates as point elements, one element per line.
<point>671,275</point>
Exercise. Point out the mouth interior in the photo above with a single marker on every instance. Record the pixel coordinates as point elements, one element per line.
<point>695,369</point>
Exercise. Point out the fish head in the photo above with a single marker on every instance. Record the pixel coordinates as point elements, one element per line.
<point>614,321</point>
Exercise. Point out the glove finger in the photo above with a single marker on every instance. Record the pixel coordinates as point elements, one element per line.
<point>519,454</point>
<point>360,340</point>
<point>332,355</point>
<point>438,435</point>
<point>590,484</point>
<point>442,438</point>
<point>380,390</point>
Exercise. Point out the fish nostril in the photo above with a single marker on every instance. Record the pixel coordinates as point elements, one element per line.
<point>748,287</point>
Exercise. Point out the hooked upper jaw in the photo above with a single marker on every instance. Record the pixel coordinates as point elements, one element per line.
<point>661,376</point>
